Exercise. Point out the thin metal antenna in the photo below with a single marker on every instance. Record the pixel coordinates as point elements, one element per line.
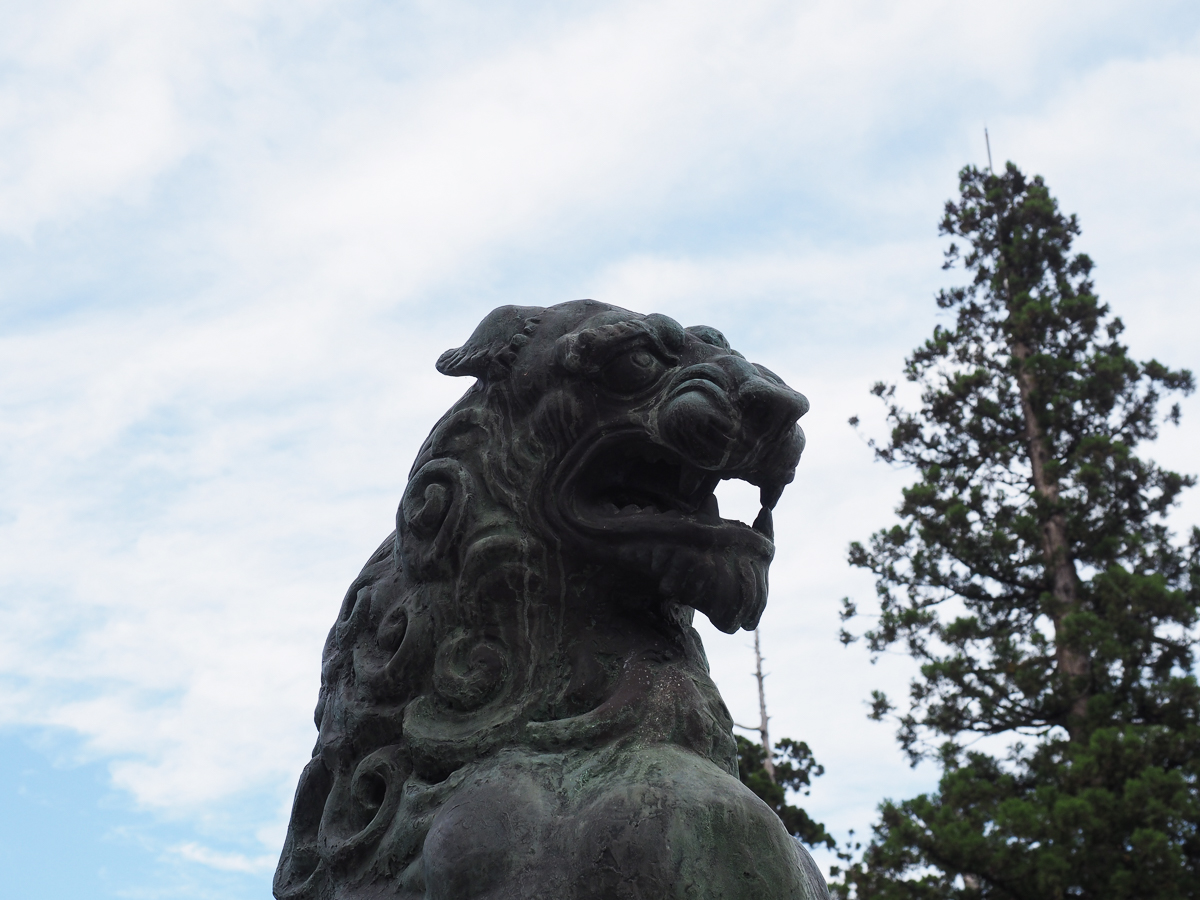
<point>988,141</point>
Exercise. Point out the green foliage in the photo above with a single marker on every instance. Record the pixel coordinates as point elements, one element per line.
<point>795,768</point>
<point>1115,818</point>
<point>1033,577</point>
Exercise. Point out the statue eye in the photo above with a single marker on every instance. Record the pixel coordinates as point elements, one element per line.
<point>633,372</point>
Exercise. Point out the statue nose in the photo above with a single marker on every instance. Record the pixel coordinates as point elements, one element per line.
<point>770,407</point>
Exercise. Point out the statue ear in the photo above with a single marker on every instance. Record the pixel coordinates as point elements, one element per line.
<point>490,351</point>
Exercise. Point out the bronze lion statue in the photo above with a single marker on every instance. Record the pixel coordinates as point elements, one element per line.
<point>514,704</point>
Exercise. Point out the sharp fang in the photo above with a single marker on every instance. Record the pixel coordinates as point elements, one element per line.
<point>764,524</point>
<point>690,480</point>
<point>709,507</point>
<point>769,494</point>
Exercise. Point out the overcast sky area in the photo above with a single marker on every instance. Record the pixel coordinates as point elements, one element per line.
<point>236,234</point>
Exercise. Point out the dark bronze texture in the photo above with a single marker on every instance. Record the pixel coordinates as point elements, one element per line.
<point>514,704</point>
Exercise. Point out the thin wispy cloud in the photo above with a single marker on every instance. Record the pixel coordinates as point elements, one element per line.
<point>225,862</point>
<point>234,237</point>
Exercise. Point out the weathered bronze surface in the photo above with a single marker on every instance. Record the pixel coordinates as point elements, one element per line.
<point>513,703</point>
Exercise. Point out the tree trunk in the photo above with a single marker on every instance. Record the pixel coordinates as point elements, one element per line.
<point>1060,565</point>
<point>768,763</point>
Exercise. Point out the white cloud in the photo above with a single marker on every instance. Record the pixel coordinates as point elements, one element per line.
<point>307,205</point>
<point>226,862</point>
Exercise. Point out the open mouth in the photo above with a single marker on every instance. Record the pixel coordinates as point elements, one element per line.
<point>626,484</point>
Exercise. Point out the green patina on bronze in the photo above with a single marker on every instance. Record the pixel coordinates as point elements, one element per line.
<point>514,703</point>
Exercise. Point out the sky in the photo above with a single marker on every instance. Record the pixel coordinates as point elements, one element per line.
<point>235,235</point>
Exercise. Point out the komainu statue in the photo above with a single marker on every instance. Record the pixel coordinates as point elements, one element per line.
<point>514,704</point>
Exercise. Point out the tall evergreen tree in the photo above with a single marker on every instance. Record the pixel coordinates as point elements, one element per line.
<point>1033,577</point>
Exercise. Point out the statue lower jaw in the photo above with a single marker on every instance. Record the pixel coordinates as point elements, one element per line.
<point>730,588</point>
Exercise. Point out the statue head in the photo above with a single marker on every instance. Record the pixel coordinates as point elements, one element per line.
<point>616,428</point>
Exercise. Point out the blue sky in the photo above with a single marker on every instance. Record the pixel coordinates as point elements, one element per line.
<point>234,237</point>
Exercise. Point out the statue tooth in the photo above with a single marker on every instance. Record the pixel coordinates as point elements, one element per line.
<point>764,524</point>
<point>690,480</point>
<point>770,493</point>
